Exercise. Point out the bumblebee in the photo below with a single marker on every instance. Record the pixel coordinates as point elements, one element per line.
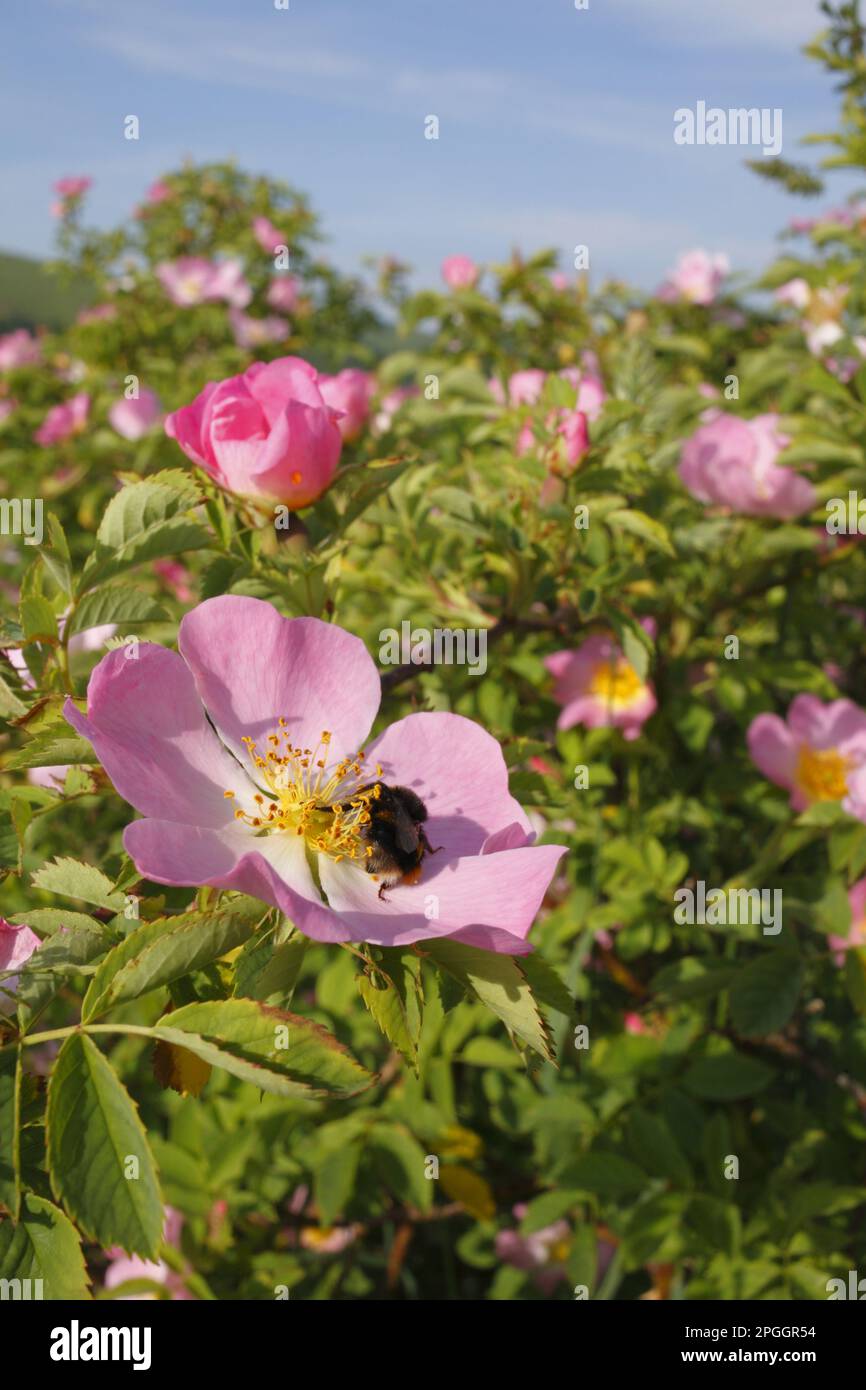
<point>395,835</point>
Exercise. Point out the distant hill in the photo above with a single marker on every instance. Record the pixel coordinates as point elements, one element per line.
<point>31,295</point>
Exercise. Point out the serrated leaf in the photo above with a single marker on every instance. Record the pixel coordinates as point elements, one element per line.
<point>158,952</point>
<point>269,970</point>
<point>546,983</point>
<point>280,1052</point>
<point>60,956</point>
<point>44,1245</point>
<point>70,878</point>
<point>117,603</point>
<point>10,705</point>
<point>52,750</point>
<point>500,983</point>
<point>93,1134</point>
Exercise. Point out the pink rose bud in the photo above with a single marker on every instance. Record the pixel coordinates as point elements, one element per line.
<point>266,434</point>
<point>459,272</point>
<point>267,235</point>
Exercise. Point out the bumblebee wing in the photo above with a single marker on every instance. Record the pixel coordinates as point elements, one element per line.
<point>405,831</point>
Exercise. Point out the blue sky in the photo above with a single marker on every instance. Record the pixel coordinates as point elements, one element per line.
<point>555,124</point>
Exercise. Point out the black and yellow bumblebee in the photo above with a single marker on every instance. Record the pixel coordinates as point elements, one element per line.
<point>395,834</point>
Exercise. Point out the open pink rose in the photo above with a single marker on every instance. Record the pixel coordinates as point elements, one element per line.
<point>18,349</point>
<point>123,1268</point>
<point>351,392</point>
<point>265,434</point>
<point>598,687</point>
<point>459,272</point>
<point>697,277</point>
<point>819,754</point>
<point>542,1253</point>
<point>17,945</point>
<point>282,294</point>
<point>250,332</point>
<point>732,463</point>
<point>195,280</point>
<point>795,292</point>
<point>244,753</point>
<point>64,420</point>
<point>267,235</point>
<point>133,418</point>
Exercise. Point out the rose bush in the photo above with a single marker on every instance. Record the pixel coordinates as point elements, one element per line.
<point>539,1059</point>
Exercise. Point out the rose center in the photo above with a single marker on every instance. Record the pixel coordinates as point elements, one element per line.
<point>821,773</point>
<point>329,807</point>
<point>615,682</point>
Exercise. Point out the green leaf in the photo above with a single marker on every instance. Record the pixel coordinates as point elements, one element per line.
<point>855,977</point>
<point>546,984</point>
<point>607,1174</point>
<point>549,1207</point>
<point>44,1245</point>
<point>280,1052</point>
<point>656,1148</point>
<point>142,522</point>
<point>10,1130</point>
<point>49,749</point>
<point>72,879</point>
<point>500,983</point>
<point>401,1162</point>
<point>118,603</point>
<point>764,993</point>
<point>10,705</point>
<point>94,1139</point>
<point>158,952</point>
<point>334,1180</point>
<point>61,956</point>
<point>727,1077</point>
<point>270,971</point>
<point>38,619</point>
<point>646,527</point>
<point>395,1002</point>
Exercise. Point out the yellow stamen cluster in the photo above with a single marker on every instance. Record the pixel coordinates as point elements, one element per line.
<point>330,808</point>
<point>616,682</point>
<point>822,773</point>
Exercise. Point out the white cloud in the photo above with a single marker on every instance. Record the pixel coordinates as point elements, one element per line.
<point>774,24</point>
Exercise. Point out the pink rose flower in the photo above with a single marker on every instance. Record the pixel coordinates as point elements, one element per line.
<point>389,406</point>
<point>558,281</point>
<point>697,278</point>
<point>839,945</point>
<point>282,294</point>
<point>177,577</point>
<point>542,1254</point>
<point>796,292</point>
<point>250,332</point>
<point>459,272</point>
<point>133,418</point>
<point>18,349</point>
<point>819,754</point>
<point>211,743</point>
<point>195,280</point>
<point>591,394</point>
<point>17,945</point>
<point>64,420</point>
<point>122,1268</point>
<point>351,392</point>
<point>598,687</point>
<point>72,187</point>
<point>265,434</point>
<point>732,463</point>
<point>100,313</point>
<point>267,235</point>
<point>158,192</point>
